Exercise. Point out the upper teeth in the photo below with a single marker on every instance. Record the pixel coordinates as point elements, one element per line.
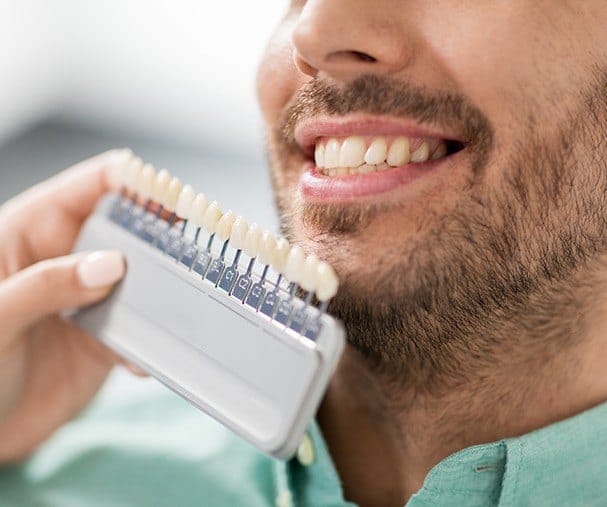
<point>354,154</point>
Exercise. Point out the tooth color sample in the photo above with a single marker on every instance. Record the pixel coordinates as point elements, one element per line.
<point>281,252</point>
<point>147,178</point>
<point>267,247</point>
<point>308,278</point>
<point>172,194</point>
<point>211,217</point>
<point>161,184</point>
<point>252,241</point>
<point>224,226</point>
<point>239,233</point>
<point>185,201</point>
<point>294,265</point>
<point>326,282</point>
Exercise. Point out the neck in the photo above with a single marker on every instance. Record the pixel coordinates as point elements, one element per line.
<point>401,432</point>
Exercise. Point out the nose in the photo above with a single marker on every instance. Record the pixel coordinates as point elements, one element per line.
<point>346,38</point>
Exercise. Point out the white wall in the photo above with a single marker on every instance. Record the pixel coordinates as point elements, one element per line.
<point>182,69</point>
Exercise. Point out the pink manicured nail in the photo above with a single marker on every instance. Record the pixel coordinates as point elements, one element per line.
<point>100,269</point>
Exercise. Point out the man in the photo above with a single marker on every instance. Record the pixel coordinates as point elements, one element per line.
<point>472,260</point>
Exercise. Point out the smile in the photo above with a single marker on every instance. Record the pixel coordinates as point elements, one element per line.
<point>360,155</point>
<point>348,159</point>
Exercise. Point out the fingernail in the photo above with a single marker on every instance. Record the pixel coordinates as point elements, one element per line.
<point>100,269</point>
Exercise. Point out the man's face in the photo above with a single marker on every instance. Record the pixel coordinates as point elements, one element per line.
<point>501,190</point>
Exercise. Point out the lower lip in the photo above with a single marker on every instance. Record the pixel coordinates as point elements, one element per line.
<point>320,187</point>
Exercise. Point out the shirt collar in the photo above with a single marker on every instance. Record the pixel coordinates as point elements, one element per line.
<point>564,463</point>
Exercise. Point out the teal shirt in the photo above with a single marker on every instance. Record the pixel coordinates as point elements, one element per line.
<point>150,448</point>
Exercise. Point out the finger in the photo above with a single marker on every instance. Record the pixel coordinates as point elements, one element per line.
<point>77,188</point>
<point>135,370</point>
<point>67,368</point>
<point>57,206</point>
<point>57,284</point>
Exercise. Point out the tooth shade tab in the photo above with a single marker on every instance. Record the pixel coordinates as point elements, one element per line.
<point>290,262</point>
<point>252,241</point>
<point>211,217</point>
<point>132,171</point>
<point>198,210</point>
<point>224,227</point>
<point>239,233</point>
<point>308,278</point>
<point>326,282</point>
<point>146,181</point>
<point>283,247</point>
<point>185,201</point>
<point>161,185</point>
<point>172,194</point>
<point>267,248</point>
<point>295,263</point>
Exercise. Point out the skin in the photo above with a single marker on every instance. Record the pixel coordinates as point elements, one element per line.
<point>487,299</point>
<point>47,365</point>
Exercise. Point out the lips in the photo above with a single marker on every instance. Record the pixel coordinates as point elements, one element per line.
<point>351,158</point>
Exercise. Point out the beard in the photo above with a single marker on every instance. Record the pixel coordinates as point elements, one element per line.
<point>505,273</point>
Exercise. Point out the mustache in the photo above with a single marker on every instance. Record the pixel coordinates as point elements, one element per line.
<point>379,95</point>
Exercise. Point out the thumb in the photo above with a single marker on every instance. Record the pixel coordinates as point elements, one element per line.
<point>53,285</point>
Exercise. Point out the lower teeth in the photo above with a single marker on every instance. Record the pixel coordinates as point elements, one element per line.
<point>363,169</point>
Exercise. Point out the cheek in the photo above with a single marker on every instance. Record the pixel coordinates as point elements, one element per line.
<point>277,78</point>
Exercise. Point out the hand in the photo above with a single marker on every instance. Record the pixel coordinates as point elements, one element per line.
<point>49,368</point>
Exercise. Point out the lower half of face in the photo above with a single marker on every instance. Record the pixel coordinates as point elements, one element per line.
<point>440,254</point>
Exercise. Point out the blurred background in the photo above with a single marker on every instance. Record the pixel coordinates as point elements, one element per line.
<point>175,81</point>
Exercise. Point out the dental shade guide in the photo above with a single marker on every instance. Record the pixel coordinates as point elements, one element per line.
<point>218,322</point>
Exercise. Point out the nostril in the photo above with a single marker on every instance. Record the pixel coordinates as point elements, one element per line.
<point>363,56</point>
<point>350,55</point>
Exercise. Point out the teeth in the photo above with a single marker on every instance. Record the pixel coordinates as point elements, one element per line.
<point>377,151</point>
<point>326,282</point>
<point>283,247</point>
<point>211,218</point>
<point>352,152</point>
<point>131,174</point>
<point>422,153</point>
<point>308,272</point>
<point>185,201</point>
<point>267,248</point>
<point>161,185</point>
<point>239,233</point>
<point>198,210</point>
<point>145,181</point>
<point>398,154</point>
<point>172,194</point>
<point>308,278</point>
<point>319,155</point>
<point>332,150</point>
<point>294,265</point>
<point>224,227</point>
<point>441,151</point>
<point>340,157</point>
<point>252,241</point>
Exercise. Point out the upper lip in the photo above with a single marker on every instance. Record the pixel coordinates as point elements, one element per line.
<point>308,131</point>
